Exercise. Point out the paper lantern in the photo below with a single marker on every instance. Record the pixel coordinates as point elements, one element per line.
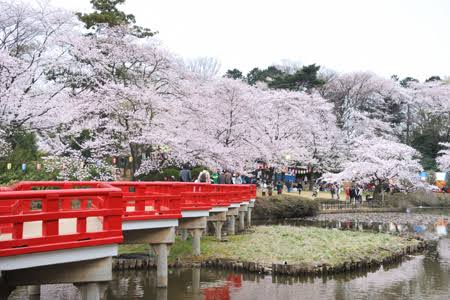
<point>24,167</point>
<point>38,167</point>
<point>9,166</point>
<point>114,160</point>
<point>130,159</point>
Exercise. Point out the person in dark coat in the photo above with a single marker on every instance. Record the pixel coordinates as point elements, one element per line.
<point>228,178</point>
<point>221,179</point>
<point>185,174</point>
<point>352,194</point>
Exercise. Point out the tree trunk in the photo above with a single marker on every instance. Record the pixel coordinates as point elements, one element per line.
<point>311,180</point>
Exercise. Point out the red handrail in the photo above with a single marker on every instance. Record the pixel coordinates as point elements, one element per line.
<point>49,208</point>
<point>49,203</point>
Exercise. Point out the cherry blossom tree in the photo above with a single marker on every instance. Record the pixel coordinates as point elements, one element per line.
<point>126,93</point>
<point>362,102</point>
<point>381,162</point>
<point>29,48</point>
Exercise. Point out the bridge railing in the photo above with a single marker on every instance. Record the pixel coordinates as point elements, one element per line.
<point>45,220</point>
<point>193,195</point>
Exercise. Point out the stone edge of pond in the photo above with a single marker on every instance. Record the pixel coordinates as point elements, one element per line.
<point>142,262</point>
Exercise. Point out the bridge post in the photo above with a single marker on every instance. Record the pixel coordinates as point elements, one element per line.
<point>218,229</point>
<point>160,240</point>
<point>194,226</point>
<point>249,217</point>
<point>196,236</point>
<point>217,220</point>
<point>162,251</point>
<point>242,210</point>
<point>249,212</point>
<point>231,216</point>
<point>231,228</point>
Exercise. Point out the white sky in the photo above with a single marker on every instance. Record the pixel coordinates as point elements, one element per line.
<point>404,37</point>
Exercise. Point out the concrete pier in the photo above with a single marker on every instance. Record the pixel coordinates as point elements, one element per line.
<point>232,213</point>
<point>162,251</point>
<point>217,220</point>
<point>231,226</point>
<point>249,217</point>
<point>242,211</point>
<point>195,226</point>
<point>160,240</point>
<point>196,237</point>
<point>218,229</point>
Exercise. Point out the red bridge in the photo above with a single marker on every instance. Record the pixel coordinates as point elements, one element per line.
<point>68,232</point>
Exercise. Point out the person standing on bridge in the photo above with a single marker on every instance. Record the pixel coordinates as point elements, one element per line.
<point>228,177</point>
<point>204,177</point>
<point>185,174</point>
<point>221,178</point>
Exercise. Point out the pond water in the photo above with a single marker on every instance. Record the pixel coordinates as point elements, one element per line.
<point>425,276</point>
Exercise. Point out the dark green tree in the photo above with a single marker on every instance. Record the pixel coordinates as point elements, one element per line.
<point>433,78</point>
<point>234,74</point>
<point>405,82</point>
<point>304,79</point>
<point>266,75</point>
<point>106,12</point>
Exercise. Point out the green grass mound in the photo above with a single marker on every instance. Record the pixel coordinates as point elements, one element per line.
<point>296,245</point>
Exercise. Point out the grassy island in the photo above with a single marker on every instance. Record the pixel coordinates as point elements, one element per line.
<point>307,246</point>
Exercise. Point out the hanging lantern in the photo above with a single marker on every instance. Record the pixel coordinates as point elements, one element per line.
<point>130,159</point>
<point>9,166</point>
<point>38,166</point>
<point>114,160</point>
<point>144,156</point>
<point>24,167</point>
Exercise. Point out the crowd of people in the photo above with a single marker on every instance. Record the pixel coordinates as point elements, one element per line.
<point>216,177</point>
<point>353,192</point>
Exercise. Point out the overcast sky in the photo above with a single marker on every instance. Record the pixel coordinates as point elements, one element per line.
<point>404,37</point>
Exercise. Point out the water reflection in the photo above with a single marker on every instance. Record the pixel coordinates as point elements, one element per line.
<point>421,277</point>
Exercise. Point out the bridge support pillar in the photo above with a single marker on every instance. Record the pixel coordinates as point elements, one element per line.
<point>231,227</point>
<point>160,240</point>
<point>196,236</point>
<point>249,217</point>
<point>162,251</point>
<point>92,290</point>
<point>217,220</point>
<point>241,220</point>
<point>232,213</point>
<point>195,226</point>
<point>218,229</point>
